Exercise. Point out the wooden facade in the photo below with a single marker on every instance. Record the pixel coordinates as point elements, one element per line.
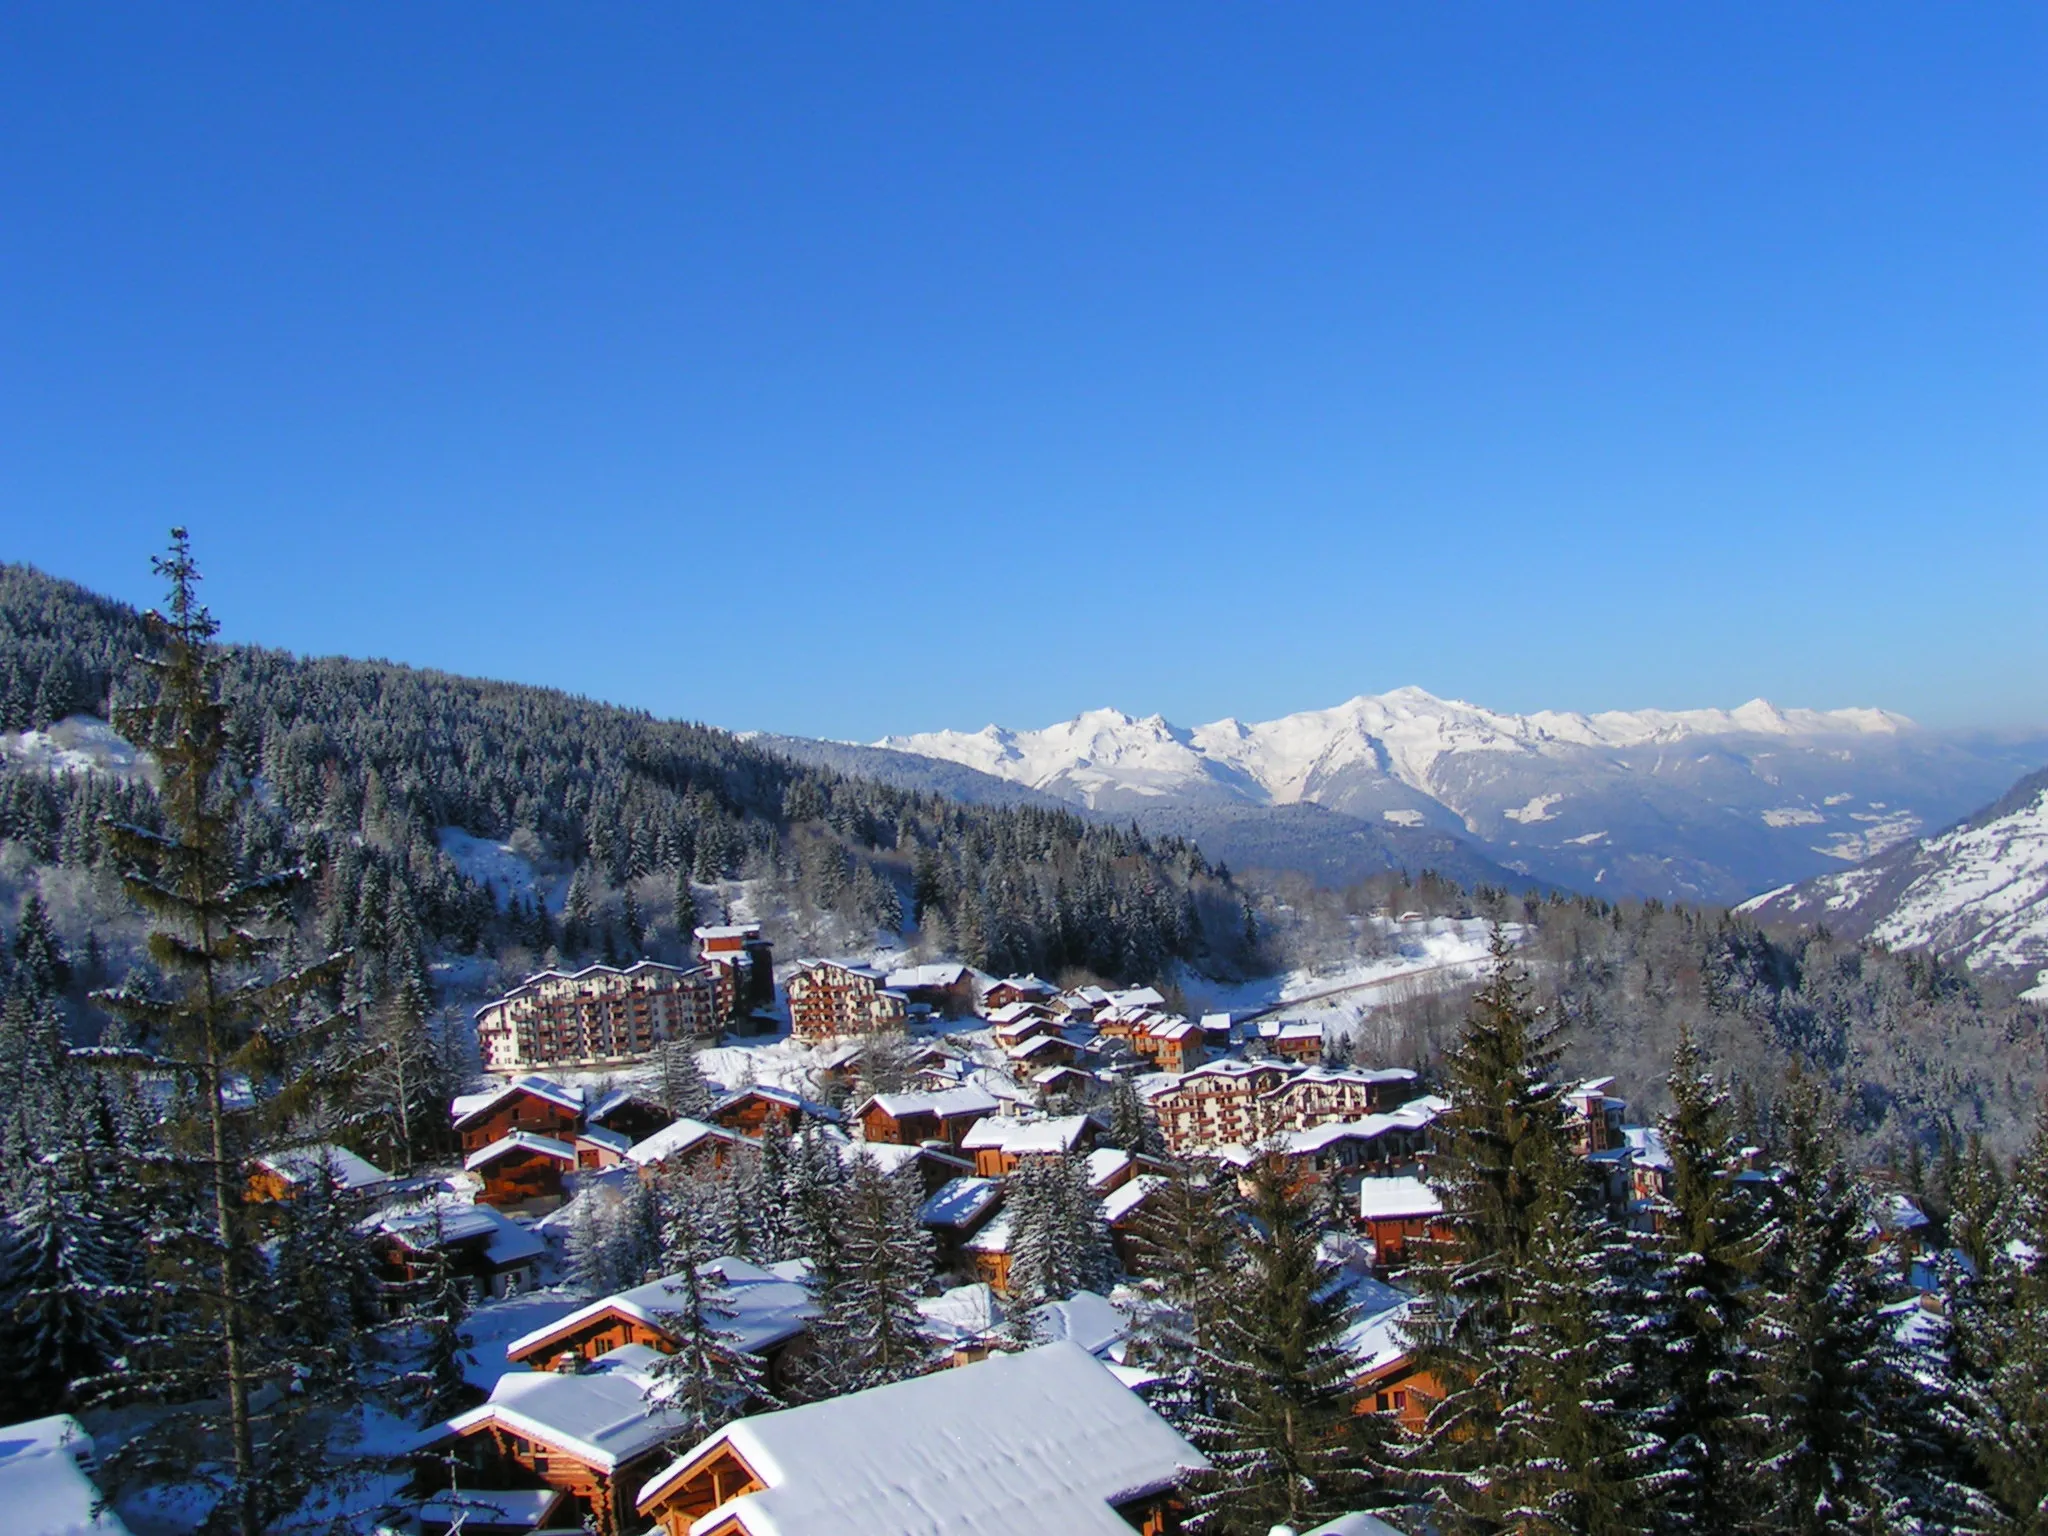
<point>522,1173</point>
<point>494,1455</point>
<point>719,1476</point>
<point>518,1108</point>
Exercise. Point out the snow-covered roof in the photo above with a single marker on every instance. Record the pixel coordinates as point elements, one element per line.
<point>602,1415</point>
<point>960,1202</point>
<point>611,1141</point>
<point>1045,1440</point>
<point>302,1165</point>
<point>1900,1214</point>
<point>937,975</point>
<point>1355,1524</point>
<point>1017,1013</point>
<point>1125,1198</point>
<point>1105,1163</point>
<point>1084,1318</point>
<point>619,1098</point>
<point>1396,1196</point>
<point>519,1141</point>
<point>44,1485</point>
<point>678,1136</point>
<point>1139,997</point>
<point>1170,1027</point>
<point>1216,1021</point>
<point>1647,1143</point>
<point>1037,1045</point>
<point>752,1306</point>
<point>994,1236</point>
<point>526,1507</point>
<point>788,1097</point>
<point>1022,1138</point>
<point>851,967</point>
<point>728,931</point>
<point>963,1313</point>
<point>1027,983</point>
<point>445,1221</point>
<point>947,1103</point>
<point>1289,1029</point>
<point>471,1104</point>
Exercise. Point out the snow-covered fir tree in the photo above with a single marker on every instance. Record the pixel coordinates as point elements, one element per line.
<point>869,1331</point>
<point>679,1081</point>
<point>708,1380</point>
<point>1131,1125</point>
<point>2001,1336</point>
<point>71,1286</point>
<point>1708,1254</point>
<point>1826,1444</point>
<point>1278,1424</point>
<point>321,1299</point>
<point>614,1238</point>
<point>1182,1240</point>
<point>1496,1145</point>
<point>1059,1237</point>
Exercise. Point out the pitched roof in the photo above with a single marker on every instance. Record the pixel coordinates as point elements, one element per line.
<point>519,1141</point>
<point>602,1416</point>
<point>678,1136</point>
<point>960,1202</point>
<point>1395,1197</point>
<point>470,1105</point>
<point>1025,1137</point>
<point>947,1103</point>
<point>754,1307</point>
<point>1045,1440</point>
<point>1127,1197</point>
<point>302,1165</point>
<point>44,1485</point>
<point>444,1221</point>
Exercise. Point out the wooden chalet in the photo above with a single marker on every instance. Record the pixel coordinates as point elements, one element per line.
<point>998,1142</point>
<point>487,1254</point>
<point>1045,1440</point>
<point>749,1111</point>
<point>531,1104</point>
<point>1039,1052</point>
<point>598,1149</point>
<point>1390,1384</point>
<point>633,1113</point>
<point>1177,1044</point>
<point>765,1312</point>
<point>1292,1040</point>
<point>1122,1206</point>
<point>522,1171</point>
<point>957,1210</point>
<point>284,1175</point>
<point>1393,1210</point>
<point>593,1436</point>
<point>688,1145</point>
<point>929,1163</point>
<point>985,1253</point>
<point>1016,989</point>
<point>906,1119</point>
<point>946,989</point>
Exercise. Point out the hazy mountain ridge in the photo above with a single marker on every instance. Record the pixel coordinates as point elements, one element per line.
<point>1976,893</point>
<point>1706,805</point>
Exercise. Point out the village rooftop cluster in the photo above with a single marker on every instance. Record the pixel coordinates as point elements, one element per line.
<point>1029,1419</point>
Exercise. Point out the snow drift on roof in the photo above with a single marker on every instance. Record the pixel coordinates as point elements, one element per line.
<point>1046,1440</point>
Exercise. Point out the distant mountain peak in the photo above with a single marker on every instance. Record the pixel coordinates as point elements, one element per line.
<point>1768,793</point>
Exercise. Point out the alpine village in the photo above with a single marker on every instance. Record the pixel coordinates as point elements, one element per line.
<point>678,1232</point>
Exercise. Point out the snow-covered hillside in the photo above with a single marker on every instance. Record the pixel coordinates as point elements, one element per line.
<point>1709,803</point>
<point>1977,893</point>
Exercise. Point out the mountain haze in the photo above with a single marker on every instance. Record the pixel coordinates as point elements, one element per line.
<point>1976,893</point>
<point>1705,804</point>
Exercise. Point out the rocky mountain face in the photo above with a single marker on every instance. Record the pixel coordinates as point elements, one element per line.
<point>1976,893</point>
<point>1701,805</point>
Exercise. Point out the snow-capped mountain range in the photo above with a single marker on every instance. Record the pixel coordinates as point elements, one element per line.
<point>1976,893</point>
<point>1702,804</point>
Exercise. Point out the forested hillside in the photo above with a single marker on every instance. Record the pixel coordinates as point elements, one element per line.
<point>1915,1048</point>
<point>362,765</point>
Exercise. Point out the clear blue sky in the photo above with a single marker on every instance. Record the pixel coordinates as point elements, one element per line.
<point>851,368</point>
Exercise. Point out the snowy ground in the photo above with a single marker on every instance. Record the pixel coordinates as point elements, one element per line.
<point>1427,952</point>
